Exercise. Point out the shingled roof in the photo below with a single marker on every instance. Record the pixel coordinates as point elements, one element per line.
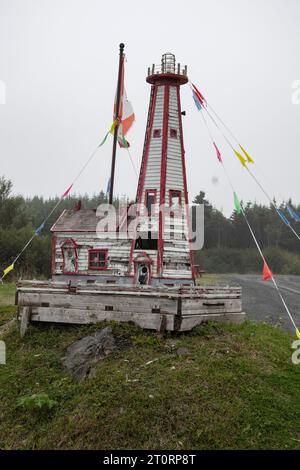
<point>83,220</point>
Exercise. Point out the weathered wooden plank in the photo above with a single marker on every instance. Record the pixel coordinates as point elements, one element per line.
<point>191,291</point>
<point>61,315</point>
<point>187,323</point>
<point>25,316</point>
<point>211,311</point>
<point>192,304</point>
<point>98,301</point>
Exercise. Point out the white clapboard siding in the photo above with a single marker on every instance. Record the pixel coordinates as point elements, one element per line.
<point>174,178</point>
<point>152,175</point>
<point>118,251</point>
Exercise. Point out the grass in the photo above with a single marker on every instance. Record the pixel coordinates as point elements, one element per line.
<point>236,388</point>
<point>7,301</point>
<point>212,279</point>
<point>7,293</point>
<point>207,280</point>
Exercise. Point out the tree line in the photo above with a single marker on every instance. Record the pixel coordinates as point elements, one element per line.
<point>228,244</point>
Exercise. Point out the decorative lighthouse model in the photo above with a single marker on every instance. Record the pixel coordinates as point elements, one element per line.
<point>158,251</point>
<point>161,250</point>
<point>141,268</point>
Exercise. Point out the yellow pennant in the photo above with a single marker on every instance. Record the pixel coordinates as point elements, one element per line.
<point>113,126</point>
<point>241,158</point>
<point>250,160</point>
<point>298,333</point>
<point>7,270</point>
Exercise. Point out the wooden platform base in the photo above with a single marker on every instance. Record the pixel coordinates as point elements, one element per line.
<point>167,308</point>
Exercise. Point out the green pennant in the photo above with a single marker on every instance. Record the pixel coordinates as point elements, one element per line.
<point>237,204</point>
<point>125,143</point>
<point>103,141</point>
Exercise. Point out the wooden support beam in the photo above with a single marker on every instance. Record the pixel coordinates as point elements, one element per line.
<point>25,314</point>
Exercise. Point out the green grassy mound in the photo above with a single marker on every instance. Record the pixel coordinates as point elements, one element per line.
<point>235,387</point>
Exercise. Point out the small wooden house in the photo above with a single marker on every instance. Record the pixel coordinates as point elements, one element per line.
<point>80,253</point>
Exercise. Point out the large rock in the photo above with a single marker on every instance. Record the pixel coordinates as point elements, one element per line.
<point>82,354</point>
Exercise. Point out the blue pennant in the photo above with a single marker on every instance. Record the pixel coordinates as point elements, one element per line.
<point>283,217</point>
<point>197,102</point>
<point>293,214</point>
<point>40,229</point>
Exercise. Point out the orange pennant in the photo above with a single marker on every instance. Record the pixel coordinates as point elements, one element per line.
<point>267,273</point>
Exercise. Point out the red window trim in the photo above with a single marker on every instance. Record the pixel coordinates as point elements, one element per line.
<point>70,241</point>
<point>53,264</point>
<point>96,268</point>
<point>155,196</point>
<point>156,133</point>
<point>178,193</point>
<point>174,132</point>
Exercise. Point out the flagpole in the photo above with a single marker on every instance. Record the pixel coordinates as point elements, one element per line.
<point>114,150</point>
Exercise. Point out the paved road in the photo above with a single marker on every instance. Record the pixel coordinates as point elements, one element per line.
<point>262,303</point>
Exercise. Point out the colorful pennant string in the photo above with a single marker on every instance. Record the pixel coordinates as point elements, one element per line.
<point>244,162</point>
<point>267,273</point>
<point>64,195</point>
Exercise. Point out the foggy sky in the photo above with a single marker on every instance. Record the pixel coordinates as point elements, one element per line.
<point>59,60</point>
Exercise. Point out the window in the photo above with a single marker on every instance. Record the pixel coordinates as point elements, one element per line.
<point>70,257</point>
<point>173,133</point>
<point>175,197</point>
<point>98,259</point>
<point>150,199</point>
<point>172,226</point>
<point>157,133</point>
<point>146,242</point>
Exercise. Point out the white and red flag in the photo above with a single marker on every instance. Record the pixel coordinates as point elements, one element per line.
<point>125,115</point>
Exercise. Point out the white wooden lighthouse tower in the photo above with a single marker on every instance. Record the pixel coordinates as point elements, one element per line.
<point>162,250</point>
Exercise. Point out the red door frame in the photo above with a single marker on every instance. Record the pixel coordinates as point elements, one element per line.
<point>148,261</point>
<point>75,246</point>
